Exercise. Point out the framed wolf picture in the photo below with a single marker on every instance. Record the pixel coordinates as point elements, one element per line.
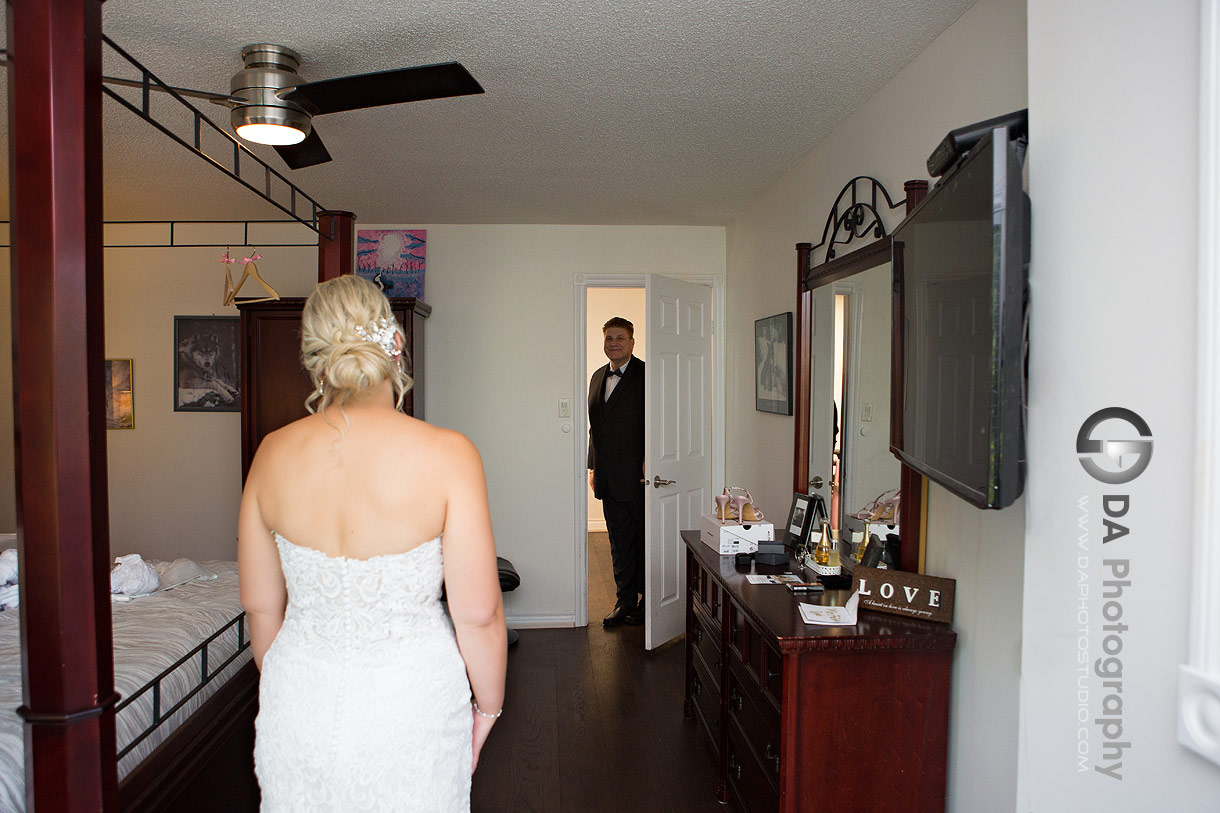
<point>207,368</point>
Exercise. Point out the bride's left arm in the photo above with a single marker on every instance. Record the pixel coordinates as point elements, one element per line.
<point>263,593</point>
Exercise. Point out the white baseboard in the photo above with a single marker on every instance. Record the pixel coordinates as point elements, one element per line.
<point>597,526</point>
<point>524,621</point>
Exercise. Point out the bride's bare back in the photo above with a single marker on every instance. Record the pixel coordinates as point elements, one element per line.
<point>380,486</point>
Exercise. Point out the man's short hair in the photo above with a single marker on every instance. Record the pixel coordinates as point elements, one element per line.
<point>618,321</point>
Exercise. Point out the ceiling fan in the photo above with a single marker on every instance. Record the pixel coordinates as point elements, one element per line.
<point>271,105</point>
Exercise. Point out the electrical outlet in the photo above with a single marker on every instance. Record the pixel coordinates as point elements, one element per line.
<point>565,407</point>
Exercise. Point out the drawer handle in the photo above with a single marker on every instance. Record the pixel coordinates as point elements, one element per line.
<point>772,755</point>
<point>735,698</point>
<point>734,766</point>
<point>773,675</point>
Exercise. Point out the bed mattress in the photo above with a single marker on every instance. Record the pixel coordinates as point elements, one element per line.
<point>150,633</point>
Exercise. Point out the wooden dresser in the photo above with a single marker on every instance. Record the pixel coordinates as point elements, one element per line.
<point>274,384</point>
<point>805,718</point>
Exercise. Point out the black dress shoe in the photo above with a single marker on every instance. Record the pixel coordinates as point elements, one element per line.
<point>619,615</point>
<point>636,616</point>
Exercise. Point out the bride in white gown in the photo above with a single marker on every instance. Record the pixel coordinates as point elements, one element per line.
<point>371,698</point>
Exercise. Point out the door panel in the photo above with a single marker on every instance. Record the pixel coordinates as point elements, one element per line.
<point>678,443</point>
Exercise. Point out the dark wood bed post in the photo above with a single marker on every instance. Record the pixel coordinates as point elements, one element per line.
<point>804,358</point>
<point>336,253</point>
<point>55,194</point>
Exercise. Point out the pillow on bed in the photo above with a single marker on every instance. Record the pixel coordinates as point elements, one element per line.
<point>181,571</point>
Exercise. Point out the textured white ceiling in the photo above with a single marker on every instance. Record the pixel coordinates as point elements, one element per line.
<point>632,112</point>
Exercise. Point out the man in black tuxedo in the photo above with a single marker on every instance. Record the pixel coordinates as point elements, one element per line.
<point>616,464</point>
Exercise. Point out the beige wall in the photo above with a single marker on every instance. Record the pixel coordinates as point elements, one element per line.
<point>501,352</point>
<point>976,69</point>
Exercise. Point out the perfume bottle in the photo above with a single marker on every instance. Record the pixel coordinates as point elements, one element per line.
<point>821,555</point>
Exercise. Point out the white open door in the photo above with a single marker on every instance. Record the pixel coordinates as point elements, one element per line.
<point>677,445</point>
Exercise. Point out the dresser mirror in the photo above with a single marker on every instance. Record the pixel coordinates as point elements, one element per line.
<point>847,308</point>
<point>849,448</point>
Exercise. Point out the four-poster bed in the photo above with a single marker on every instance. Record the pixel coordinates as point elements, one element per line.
<point>68,714</point>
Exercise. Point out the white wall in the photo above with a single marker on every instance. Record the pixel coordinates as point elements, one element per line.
<point>1113,90</point>
<point>502,352</point>
<point>602,304</point>
<point>976,69</point>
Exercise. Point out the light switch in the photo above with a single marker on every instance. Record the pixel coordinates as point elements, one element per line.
<point>565,407</point>
<point>866,412</point>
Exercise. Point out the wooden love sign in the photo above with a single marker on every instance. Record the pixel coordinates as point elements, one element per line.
<point>901,593</point>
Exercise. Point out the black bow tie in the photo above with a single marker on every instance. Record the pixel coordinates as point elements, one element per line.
<point>618,372</point>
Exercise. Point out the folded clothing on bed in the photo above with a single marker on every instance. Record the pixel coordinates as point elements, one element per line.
<point>132,576</point>
<point>8,579</point>
<point>8,566</point>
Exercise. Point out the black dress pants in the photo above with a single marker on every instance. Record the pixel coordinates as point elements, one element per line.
<point>625,524</point>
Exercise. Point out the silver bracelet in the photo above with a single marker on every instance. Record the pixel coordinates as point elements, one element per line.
<point>482,713</point>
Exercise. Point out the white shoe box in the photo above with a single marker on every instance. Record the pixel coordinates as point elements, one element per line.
<point>730,537</point>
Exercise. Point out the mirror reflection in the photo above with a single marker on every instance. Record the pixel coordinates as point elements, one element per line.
<point>850,410</point>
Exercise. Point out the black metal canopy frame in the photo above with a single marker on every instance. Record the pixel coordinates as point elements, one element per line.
<point>275,188</point>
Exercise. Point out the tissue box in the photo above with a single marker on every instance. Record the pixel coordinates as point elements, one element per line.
<point>732,537</point>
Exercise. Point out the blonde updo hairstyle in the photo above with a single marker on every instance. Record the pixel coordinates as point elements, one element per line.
<point>342,363</point>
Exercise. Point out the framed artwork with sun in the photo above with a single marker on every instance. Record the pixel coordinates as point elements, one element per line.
<point>393,259</point>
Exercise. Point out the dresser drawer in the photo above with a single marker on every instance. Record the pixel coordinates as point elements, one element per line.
<point>706,591</point>
<point>705,692</point>
<point>706,638</point>
<point>748,782</point>
<point>748,646</point>
<point>758,724</point>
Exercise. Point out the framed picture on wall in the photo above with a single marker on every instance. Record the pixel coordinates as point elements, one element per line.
<point>207,367</point>
<point>120,409</point>
<point>773,364</point>
<point>393,259</point>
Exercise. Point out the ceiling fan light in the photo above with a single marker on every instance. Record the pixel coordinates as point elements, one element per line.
<point>278,135</point>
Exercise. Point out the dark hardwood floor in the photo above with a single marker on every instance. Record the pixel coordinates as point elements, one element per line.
<point>593,722</point>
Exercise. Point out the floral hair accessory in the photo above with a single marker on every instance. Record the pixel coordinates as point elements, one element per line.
<point>380,332</point>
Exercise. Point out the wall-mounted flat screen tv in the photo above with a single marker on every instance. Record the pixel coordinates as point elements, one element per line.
<point>960,262</point>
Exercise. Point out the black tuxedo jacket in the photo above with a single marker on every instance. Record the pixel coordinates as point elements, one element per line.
<point>616,434</point>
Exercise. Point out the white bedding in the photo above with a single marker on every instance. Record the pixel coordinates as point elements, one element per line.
<point>150,633</point>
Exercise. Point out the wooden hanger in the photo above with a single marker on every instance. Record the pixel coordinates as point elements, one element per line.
<point>249,272</point>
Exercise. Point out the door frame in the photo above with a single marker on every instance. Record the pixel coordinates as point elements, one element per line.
<point>580,385</point>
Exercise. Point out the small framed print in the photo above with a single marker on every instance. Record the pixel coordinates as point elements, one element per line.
<point>773,364</point>
<point>800,520</point>
<point>120,409</point>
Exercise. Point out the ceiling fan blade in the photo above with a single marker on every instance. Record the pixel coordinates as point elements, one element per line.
<point>308,153</point>
<point>385,87</point>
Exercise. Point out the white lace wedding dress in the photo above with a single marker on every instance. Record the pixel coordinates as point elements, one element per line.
<point>364,702</point>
